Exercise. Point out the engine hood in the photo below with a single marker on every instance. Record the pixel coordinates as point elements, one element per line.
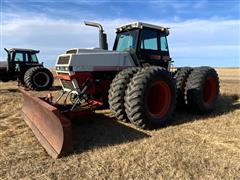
<point>93,60</point>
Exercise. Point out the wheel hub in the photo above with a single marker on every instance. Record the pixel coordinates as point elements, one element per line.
<point>158,99</point>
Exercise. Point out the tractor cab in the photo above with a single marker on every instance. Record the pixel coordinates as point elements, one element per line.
<point>20,60</point>
<point>146,43</point>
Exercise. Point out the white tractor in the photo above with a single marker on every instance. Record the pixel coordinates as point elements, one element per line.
<point>135,79</point>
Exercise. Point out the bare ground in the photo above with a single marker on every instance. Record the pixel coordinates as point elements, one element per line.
<point>191,147</point>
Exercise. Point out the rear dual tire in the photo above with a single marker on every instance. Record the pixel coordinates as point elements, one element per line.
<point>202,90</point>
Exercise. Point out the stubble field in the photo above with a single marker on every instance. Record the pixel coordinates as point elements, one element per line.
<point>190,147</point>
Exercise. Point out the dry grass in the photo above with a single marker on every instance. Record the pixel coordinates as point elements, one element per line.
<point>192,146</point>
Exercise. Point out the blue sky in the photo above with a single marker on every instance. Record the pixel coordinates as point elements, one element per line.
<point>202,32</point>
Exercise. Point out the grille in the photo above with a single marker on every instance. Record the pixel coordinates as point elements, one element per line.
<point>67,84</point>
<point>63,59</point>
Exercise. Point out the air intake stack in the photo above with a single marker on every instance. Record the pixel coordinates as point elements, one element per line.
<point>102,36</point>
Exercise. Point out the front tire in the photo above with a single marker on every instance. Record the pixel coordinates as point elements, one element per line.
<point>117,92</point>
<point>38,78</point>
<point>150,97</point>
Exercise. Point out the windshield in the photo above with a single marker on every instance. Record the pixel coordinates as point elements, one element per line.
<point>126,40</point>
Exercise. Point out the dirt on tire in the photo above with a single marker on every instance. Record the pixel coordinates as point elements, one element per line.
<point>181,76</point>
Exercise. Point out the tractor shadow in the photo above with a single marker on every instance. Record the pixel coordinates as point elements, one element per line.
<point>225,104</point>
<point>10,90</point>
<point>55,88</point>
<point>100,130</point>
<point>13,90</point>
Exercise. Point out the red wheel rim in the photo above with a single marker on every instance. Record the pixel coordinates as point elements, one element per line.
<point>158,99</point>
<point>209,90</point>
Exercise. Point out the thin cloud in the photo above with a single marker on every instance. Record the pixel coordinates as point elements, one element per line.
<point>200,4</point>
<point>201,41</point>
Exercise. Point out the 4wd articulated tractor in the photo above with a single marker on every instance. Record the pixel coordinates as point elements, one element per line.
<point>135,79</point>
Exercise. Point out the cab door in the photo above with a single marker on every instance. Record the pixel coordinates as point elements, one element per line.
<point>165,57</point>
<point>31,60</point>
<point>19,59</point>
<point>149,48</point>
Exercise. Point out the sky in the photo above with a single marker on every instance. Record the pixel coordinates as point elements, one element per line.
<point>202,32</point>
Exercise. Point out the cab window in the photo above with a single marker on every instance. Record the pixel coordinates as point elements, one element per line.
<point>19,57</point>
<point>149,40</point>
<point>126,40</point>
<point>34,58</point>
<point>163,42</point>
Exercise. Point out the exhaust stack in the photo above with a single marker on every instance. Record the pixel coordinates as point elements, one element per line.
<point>102,36</point>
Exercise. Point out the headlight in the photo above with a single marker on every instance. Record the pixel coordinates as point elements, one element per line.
<point>64,68</point>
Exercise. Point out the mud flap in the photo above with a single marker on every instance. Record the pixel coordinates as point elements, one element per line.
<point>52,129</point>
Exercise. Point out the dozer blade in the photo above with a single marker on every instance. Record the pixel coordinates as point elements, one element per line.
<point>52,129</point>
